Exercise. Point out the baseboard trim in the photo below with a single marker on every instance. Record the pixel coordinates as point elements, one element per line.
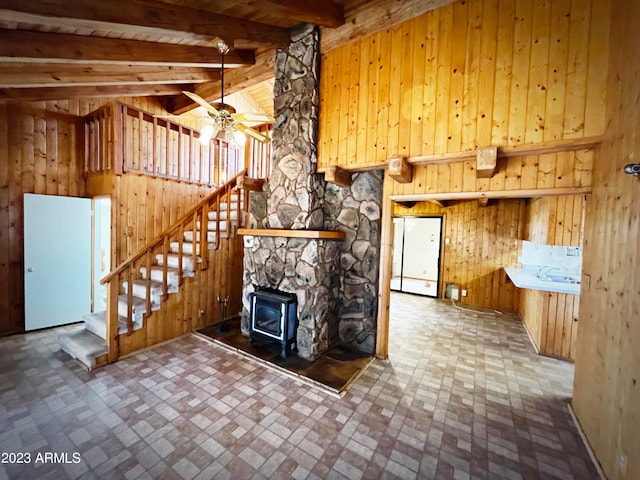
<point>586,443</point>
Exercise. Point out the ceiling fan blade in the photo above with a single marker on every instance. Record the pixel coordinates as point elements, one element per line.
<point>201,101</point>
<point>254,117</point>
<point>174,116</point>
<point>254,133</point>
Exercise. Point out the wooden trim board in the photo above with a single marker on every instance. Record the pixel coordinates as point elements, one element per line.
<point>274,232</point>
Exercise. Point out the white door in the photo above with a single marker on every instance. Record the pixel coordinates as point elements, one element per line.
<point>101,250</point>
<point>57,260</point>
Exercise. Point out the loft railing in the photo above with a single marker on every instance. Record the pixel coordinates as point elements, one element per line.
<point>120,138</point>
<point>129,270</point>
<point>258,155</point>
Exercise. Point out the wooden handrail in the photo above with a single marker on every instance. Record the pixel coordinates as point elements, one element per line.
<point>188,216</point>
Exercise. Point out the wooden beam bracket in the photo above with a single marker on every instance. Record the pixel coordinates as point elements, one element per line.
<point>486,162</point>
<point>400,170</point>
<point>250,184</point>
<point>338,175</point>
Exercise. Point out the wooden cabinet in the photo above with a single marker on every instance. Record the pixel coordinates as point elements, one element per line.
<point>551,320</point>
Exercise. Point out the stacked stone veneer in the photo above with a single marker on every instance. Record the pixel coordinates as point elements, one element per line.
<point>335,281</point>
<point>355,210</point>
<point>310,269</point>
<point>294,192</point>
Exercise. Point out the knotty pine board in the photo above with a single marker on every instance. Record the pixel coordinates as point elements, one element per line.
<point>606,394</point>
<point>552,318</point>
<point>42,152</point>
<point>439,83</point>
<point>482,240</point>
<point>552,170</point>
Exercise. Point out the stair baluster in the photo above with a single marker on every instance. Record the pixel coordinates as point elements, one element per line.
<point>174,261</point>
<point>130,298</point>
<point>148,282</point>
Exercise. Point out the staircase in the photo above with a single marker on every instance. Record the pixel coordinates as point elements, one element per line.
<point>173,256</point>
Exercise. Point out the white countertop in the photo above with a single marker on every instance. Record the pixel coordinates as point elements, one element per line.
<point>527,279</point>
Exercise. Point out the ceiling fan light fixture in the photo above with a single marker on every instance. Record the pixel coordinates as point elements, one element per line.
<point>239,137</point>
<point>206,134</point>
<point>222,47</point>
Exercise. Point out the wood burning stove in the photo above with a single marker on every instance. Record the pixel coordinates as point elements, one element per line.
<point>274,318</point>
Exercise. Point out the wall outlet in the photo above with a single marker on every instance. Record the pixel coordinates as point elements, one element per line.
<point>464,293</point>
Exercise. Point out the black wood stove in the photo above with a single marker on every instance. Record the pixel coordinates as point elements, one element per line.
<point>274,319</point>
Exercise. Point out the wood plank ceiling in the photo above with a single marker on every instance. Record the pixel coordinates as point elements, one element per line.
<point>54,49</point>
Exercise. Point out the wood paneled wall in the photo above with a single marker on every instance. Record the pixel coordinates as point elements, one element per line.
<point>41,151</point>
<point>145,206</point>
<point>196,304</point>
<point>606,395</point>
<point>467,75</point>
<point>483,240</point>
<point>418,209</point>
<point>554,170</point>
<point>552,318</point>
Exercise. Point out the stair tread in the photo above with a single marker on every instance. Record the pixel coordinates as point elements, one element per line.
<point>96,323</point>
<point>213,215</point>
<point>211,236</point>
<point>82,344</point>
<point>142,282</point>
<point>170,271</point>
<point>137,302</point>
<point>175,256</point>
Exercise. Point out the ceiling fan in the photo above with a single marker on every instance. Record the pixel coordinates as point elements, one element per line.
<point>224,119</point>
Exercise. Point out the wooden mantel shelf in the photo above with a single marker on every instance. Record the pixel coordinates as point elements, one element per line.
<point>274,232</point>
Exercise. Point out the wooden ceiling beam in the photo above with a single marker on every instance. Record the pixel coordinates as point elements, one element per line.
<point>325,13</point>
<point>61,93</point>
<point>140,17</point>
<point>234,81</point>
<point>319,12</point>
<point>21,75</point>
<point>39,47</point>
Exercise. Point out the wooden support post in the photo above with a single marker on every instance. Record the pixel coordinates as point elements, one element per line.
<point>486,161</point>
<point>384,278</point>
<point>338,175</point>
<point>400,170</point>
<point>118,112</point>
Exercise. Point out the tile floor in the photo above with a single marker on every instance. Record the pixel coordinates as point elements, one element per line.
<point>461,396</point>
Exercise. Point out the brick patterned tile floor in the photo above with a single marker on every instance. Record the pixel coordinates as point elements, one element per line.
<point>462,396</point>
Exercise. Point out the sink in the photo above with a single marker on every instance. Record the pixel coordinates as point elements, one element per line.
<point>559,278</point>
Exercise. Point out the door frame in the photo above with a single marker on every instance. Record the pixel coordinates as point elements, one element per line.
<point>440,252</point>
<point>46,211</point>
<point>94,241</point>
<point>386,239</point>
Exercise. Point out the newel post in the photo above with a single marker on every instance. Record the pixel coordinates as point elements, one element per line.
<point>113,352</point>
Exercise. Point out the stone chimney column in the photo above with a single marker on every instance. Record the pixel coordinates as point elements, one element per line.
<point>295,192</point>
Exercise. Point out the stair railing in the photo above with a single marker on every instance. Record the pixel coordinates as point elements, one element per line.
<point>129,270</point>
